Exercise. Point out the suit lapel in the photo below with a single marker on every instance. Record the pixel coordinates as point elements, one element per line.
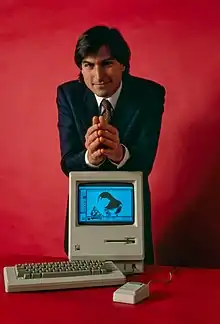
<point>126,108</point>
<point>88,110</point>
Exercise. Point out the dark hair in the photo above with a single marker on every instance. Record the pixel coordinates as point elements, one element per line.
<point>94,38</point>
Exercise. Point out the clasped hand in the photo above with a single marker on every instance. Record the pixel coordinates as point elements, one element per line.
<point>102,141</point>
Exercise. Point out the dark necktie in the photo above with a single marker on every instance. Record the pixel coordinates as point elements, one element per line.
<point>106,110</point>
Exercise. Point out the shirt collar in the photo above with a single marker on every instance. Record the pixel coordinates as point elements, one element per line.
<point>113,99</point>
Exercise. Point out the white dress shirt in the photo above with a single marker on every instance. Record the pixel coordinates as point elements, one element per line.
<point>113,100</point>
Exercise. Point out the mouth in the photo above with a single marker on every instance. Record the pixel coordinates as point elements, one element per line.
<point>101,83</point>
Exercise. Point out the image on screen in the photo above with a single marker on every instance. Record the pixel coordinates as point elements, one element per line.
<point>105,203</point>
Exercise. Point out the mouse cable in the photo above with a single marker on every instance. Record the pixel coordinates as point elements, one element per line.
<point>165,281</point>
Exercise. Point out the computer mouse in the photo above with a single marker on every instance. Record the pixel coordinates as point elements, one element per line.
<point>131,293</point>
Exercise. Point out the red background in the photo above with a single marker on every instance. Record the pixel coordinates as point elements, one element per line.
<point>174,43</point>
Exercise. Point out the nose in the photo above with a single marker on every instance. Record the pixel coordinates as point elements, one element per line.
<point>98,73</point>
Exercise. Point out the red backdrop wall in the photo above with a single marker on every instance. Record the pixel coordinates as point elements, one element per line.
<point>176,44</point>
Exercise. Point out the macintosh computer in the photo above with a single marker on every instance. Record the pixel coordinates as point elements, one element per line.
<point>106,236</point>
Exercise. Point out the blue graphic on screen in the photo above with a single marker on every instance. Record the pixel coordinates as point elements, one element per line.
<point>105,203</point>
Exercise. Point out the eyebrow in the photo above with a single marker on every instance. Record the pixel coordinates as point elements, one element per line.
<point>107,59</point>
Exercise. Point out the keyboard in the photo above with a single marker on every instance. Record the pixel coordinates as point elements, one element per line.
<point>61,275</point>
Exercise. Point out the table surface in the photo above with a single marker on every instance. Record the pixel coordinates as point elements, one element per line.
<point>193,297</point>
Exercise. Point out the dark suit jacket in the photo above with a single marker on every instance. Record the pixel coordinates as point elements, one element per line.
<point>137,117</point>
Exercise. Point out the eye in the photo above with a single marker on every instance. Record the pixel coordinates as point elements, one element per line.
<point>107,63</point>
<point>87,65</point>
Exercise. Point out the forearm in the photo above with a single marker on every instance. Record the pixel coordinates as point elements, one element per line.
<point>143,151</point>
<point>75,162</point>
<point>138,161</point>
<point>72,150</point>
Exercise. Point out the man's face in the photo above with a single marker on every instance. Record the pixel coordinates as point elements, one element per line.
<point>102,74</point>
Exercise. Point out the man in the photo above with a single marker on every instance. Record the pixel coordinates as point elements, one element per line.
<point>120,132</point>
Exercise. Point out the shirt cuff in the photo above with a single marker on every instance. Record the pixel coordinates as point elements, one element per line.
<point>124,160</point>
<point>89,164</point>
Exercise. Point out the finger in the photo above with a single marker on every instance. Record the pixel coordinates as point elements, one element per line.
<point>91,138</point>
<point>96,154</point>
<point>102,122</point>
<point>91,130</point>
<point>95,120</point>
<point>106,134</point>
<point>108,143</point>
<point>107,152</point>
<point>94,146</point>
<point>108,127</point>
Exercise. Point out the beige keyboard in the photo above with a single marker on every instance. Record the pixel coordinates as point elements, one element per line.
<point>61,275</point>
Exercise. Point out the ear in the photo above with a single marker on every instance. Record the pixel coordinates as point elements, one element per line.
<point>122,68</point>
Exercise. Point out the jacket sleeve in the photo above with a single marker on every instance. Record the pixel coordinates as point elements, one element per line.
<point>144,146</point>
<point>71,146</point>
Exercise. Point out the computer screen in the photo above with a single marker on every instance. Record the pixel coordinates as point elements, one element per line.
<point>106,216</point>
<point>105,203</point>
